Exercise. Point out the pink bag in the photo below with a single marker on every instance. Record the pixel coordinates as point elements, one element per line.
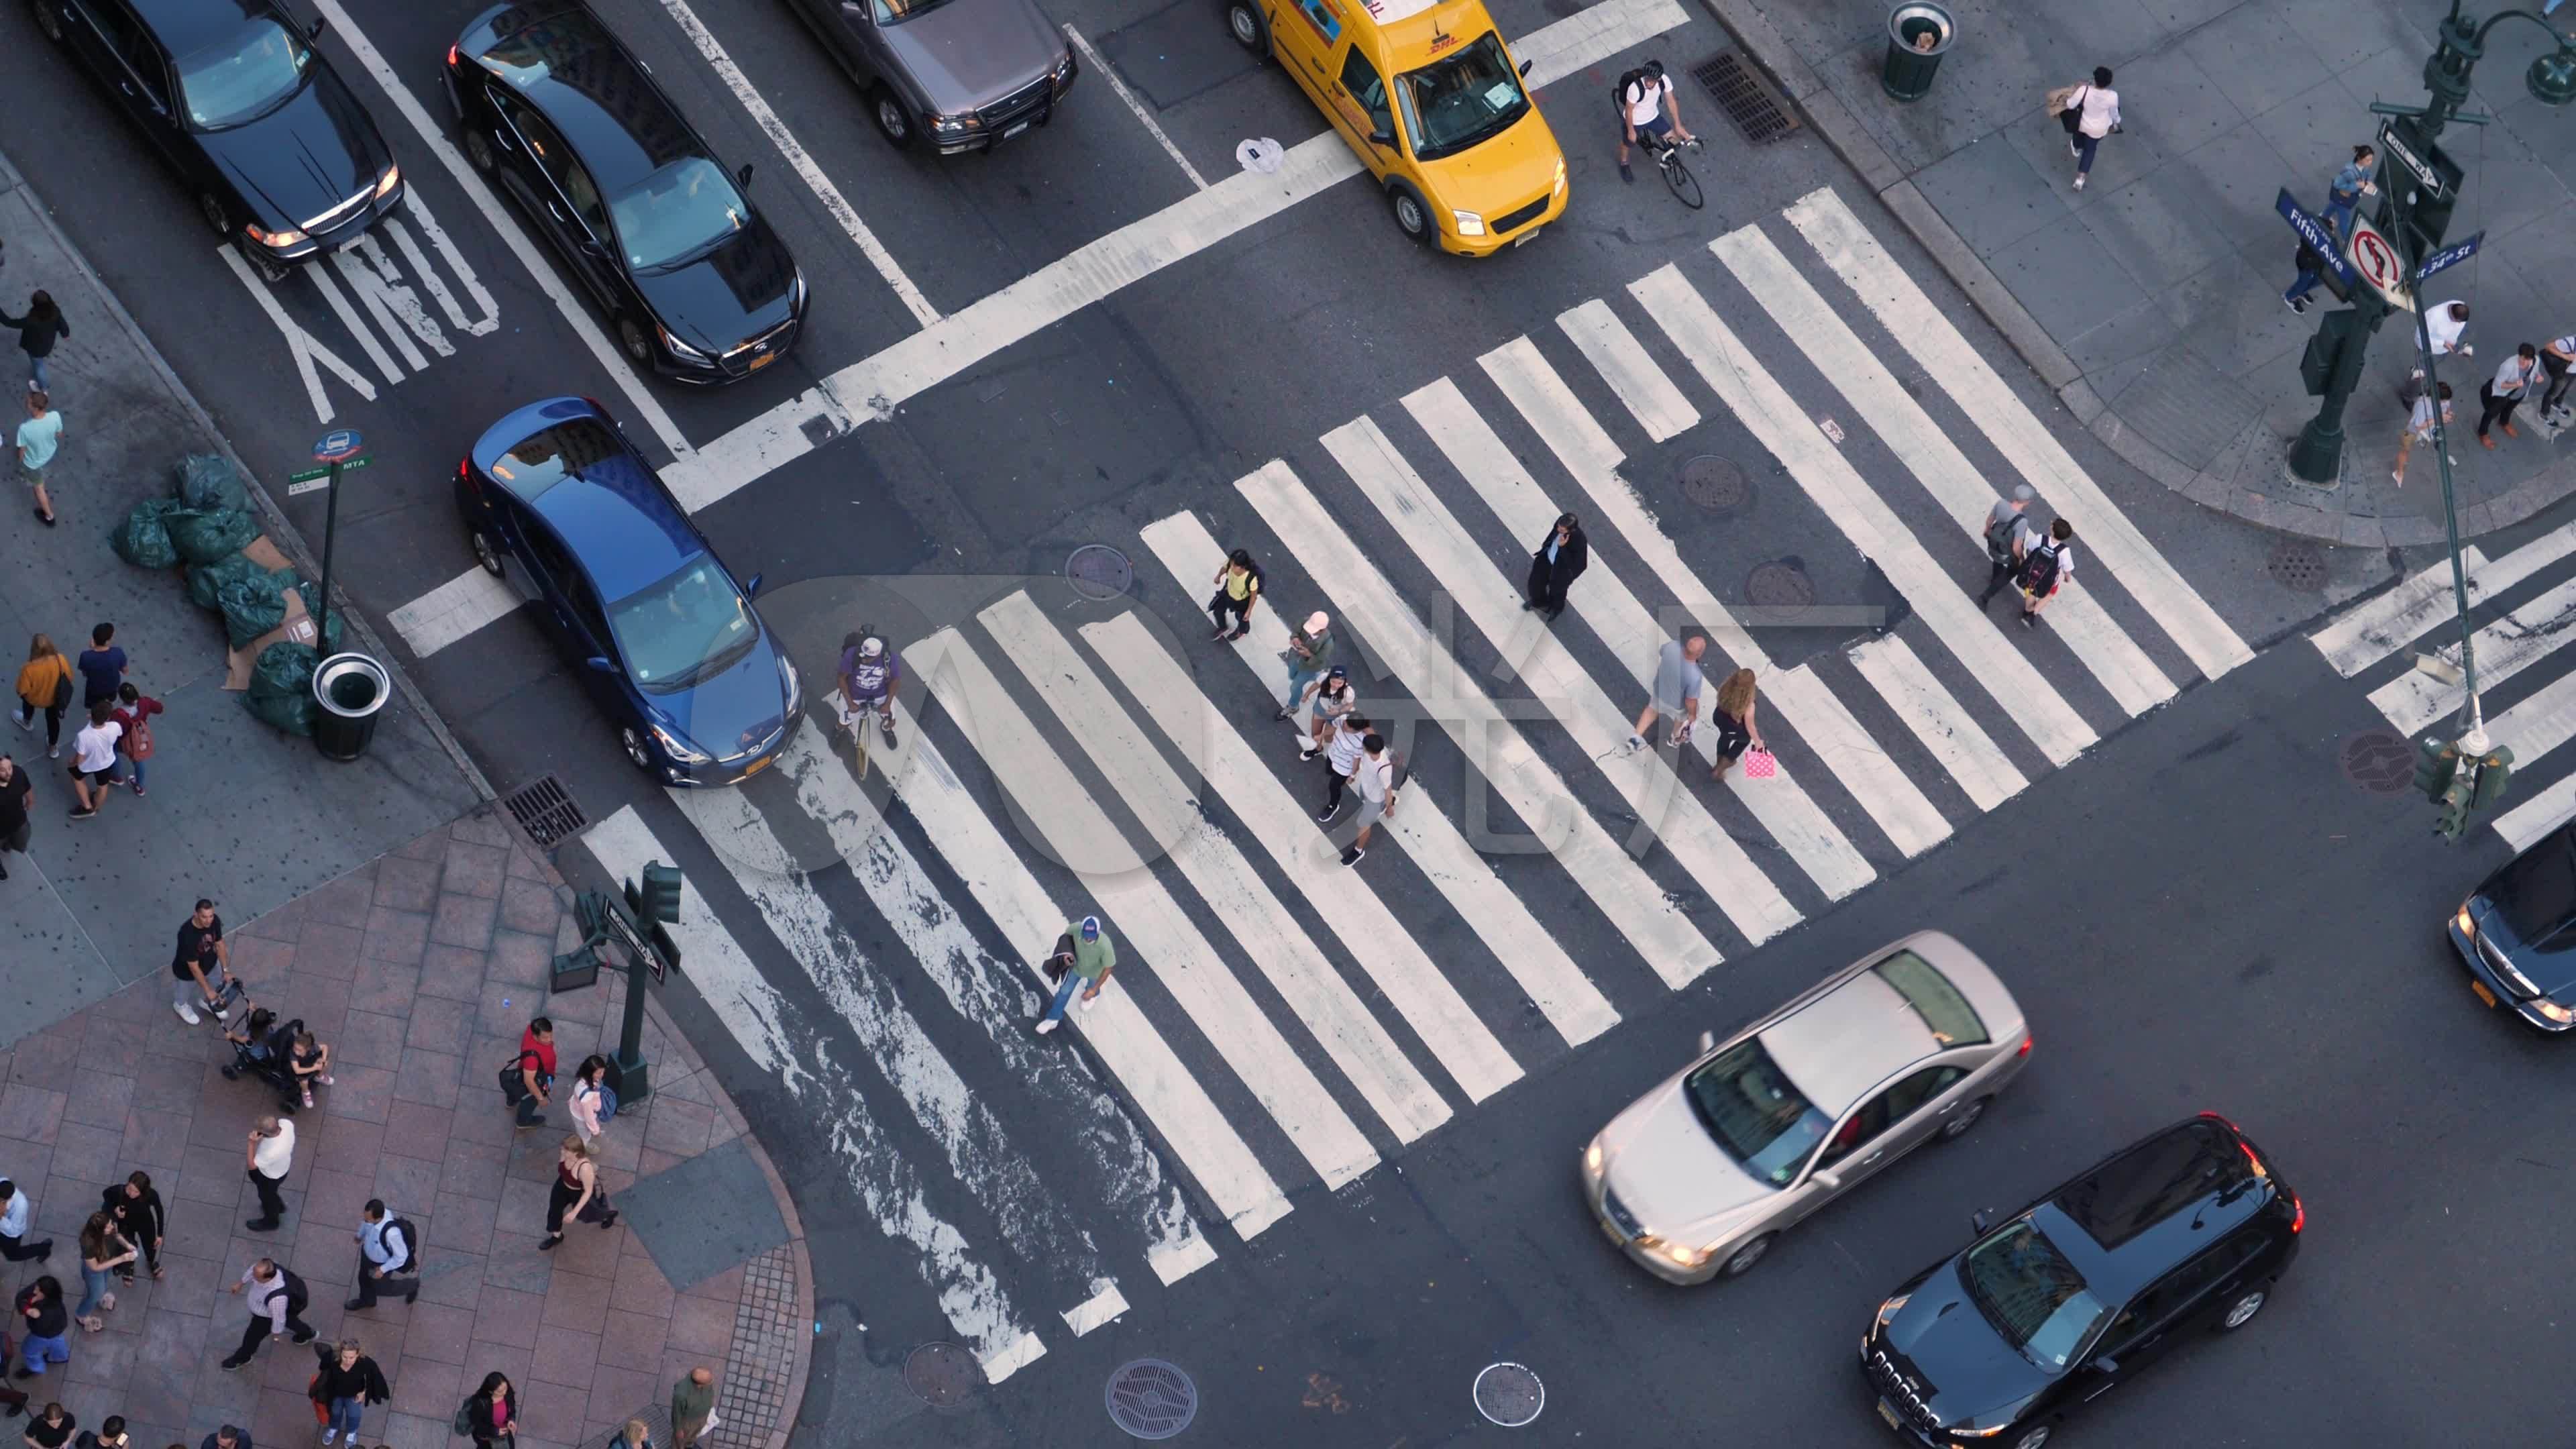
<point>1760,765</point>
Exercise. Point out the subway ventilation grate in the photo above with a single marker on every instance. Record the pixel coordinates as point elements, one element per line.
<point>2296,564</point>
<point>545,810</point>
<point>1749,99</point>
<point>1152,1399</point>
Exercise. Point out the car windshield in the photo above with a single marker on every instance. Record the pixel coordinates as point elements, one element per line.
<point>1755,1112</point>
<point>244,76</point>
<point>677,212</point>
<point>896,12</point>
<point>1946,1013</point>
<point>1450,105</point>
<point>2032,1295</point>
<point>688,627</point>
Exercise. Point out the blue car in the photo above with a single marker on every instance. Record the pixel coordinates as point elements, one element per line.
<point>564,510</point>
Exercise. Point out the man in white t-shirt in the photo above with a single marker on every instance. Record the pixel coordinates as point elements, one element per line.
<point>2419,429</point>
<point>2045,567</point>
<point>1375,778</point>
<point>2444,324</point>
<point>1648,108</point>
<point>94,759</point>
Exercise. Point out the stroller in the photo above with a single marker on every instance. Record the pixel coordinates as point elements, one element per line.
<point>263,1047</point>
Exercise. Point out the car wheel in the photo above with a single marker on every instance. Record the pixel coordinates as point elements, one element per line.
<point>217,217</point>
<point>49,20</point>
<point>2242,1311</point>
<point>1746,1256</point>
<point>478,150</point>
<point>2037,1436</point>
<point>1243,19</point>
<point>893,121</point>
<point>639,347</point>
<point>1963,1119</point>
<point>632,740</point>
<point>486,555</point>
<point>1412,216</point>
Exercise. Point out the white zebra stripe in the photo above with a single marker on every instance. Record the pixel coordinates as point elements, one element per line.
<point>1936,717</point>
<point>1615,353</point>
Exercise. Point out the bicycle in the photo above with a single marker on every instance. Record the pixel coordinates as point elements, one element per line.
<point>1668,160</point>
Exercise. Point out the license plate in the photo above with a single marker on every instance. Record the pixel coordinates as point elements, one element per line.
<point>1014,129</point>
<point>1889,1415</point>
<point>763,360</point>
<point>757,766</point>
<point>2480,988</point>
<point>1523,239</point>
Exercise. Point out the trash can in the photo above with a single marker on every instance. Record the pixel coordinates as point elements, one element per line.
<point>352,690</point>
<point>1918,35</point>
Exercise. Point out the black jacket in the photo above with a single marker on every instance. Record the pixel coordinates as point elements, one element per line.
<point>141,1219</point>
<point>37,338</point>
<point>365,1382</point>
<point>1571,559</point>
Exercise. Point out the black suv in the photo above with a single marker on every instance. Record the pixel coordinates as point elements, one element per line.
<point>2082,1289</point>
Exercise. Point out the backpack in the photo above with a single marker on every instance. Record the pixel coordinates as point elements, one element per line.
<point>410,1241</point>
<point>2039,569</point>
<point>514,1087</point>
<point>464,1422</point>
<point>607,1101</point>
<point>1999,537</point>
<point>1619,97</point>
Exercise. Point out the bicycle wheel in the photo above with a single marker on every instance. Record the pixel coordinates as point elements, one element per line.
<point>1679,178</point>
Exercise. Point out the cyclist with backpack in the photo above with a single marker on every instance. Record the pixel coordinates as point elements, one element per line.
<point>870,673</point>
<point>1649,114</point>
<point>2045,568</point>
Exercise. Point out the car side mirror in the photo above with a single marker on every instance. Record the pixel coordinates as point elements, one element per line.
<point>1707,1042</point>
<point>1980,1220</point>
<point>601,663</point>
<point>314,31</point>
<point>751,586</point>
<point>1827,1179</point>
<point>742,178</point>
<point>1525,69</point>
<point>1382,137</point>
<point>2106,1365</point>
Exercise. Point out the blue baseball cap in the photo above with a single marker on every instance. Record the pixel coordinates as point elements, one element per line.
<point>1091,928</point>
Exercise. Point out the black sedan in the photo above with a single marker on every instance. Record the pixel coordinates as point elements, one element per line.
<point>281,156</point>
<point>571,125</point>
<point>2517,934</point>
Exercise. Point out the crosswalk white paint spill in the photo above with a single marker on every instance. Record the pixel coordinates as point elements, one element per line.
<point>2505,648</point>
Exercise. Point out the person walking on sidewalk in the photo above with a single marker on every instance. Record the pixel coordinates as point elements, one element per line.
<point>139,1215</point>
<point>1375,778</point>
<point>576,1193</point>
<point>2045,570</point>
<point>1736,724</point>
<point>224,1437</point>
<point>44,1320</point>
<point>17,1210</point>
<point>277,1302</point>
<point>1309,654</point>
<point>635,1435</point>
<point>202,966</point>
<point>94,769</point>
<point>536,1075</point>
<point>1238,593</point>
<point>111,1435</point>
<point>103,1251</point>
<point>38,439</point>
<point>2008,536</point>
<point>1341,761</point>
<point>1329,700</point>
<point>2419,428</point>
<point>590,1109</point>
<point>38,331</point>
<point>50,1428</point>
<point>134,711</point>
<point>345,1381</point>
<point>2504,392</point>
<point>102,667</point>
<point>1676,690</point>
<point>1083,958</point>
<point>388,1261</point>
<point>490,1415</point>
<point>17,799</point>
<point>2558,359</point>
<point>269,1156</point>
<point>1561,557</point>
<point>2343,194</point>
<point>2090,113</point>
<point>693,1407</point>
<point>45,682</point>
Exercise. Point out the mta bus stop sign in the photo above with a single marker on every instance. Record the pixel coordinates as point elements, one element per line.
<point>337,446</point>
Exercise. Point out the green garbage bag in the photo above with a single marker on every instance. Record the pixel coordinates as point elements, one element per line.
<point>281,687</point>
<point>207,482</point>
<point>252,605</point>
<point>312,593</point>
<point>206,580</point>
<point>204,535</point>
<point>142,540</point>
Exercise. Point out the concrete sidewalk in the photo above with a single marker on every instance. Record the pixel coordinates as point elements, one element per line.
<point>2151,299</point>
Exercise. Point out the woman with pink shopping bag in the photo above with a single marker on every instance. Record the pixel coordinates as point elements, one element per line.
<point>1737,727</point>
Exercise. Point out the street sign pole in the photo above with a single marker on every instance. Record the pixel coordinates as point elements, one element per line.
<point>335,449</point>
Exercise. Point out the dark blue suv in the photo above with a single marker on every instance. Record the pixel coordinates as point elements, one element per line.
<point>567,513</point>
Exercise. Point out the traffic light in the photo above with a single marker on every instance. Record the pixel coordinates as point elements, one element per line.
<point>659,899</point>
<point>2436,761</point>
<point>2451,816</point>
<point>2495,772</point>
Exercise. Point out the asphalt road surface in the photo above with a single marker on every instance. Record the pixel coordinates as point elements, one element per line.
<point>1331,1222</point>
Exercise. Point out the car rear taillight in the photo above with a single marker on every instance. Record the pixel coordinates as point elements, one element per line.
<point>452,55</point>
<point>2025,1047</point>
<point>465,475</point>
<point>2298,1215</point>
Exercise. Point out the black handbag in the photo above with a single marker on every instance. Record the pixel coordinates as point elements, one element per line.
<point>2072,118</point>
<point>63,692</point>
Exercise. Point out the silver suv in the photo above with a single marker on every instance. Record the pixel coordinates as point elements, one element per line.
<point>957,75</point>
<point>1905,1045</point>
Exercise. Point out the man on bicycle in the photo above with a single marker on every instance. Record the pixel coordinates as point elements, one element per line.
<point>869,674</point>
<point>1649,114</point>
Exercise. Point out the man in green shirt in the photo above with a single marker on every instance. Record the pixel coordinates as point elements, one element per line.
<point>693,1402</point>
<point>1090,957</point>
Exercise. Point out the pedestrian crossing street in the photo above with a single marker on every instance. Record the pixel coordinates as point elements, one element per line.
<point>1280,1021</point>
<point>2521,619</point>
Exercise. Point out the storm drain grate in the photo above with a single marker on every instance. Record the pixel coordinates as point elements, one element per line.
<point>2379,761</point>
<point>1151,1399</point>
<point>1509,1394</point>
<point>1099,572</point>
<point>1757,110</point>
<point>2296,564</point>
<point>942,1375</point>
<point>545,810</point>
<point>1716,484</point>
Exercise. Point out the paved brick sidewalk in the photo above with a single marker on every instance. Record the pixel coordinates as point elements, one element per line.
<point>419,971</point>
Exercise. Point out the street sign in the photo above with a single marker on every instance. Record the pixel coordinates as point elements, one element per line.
<point>2375,259</point>
<point>2394,142</point>
<point>2450,256</point>
<point>2319,237</point>
<point>307,475</point>
<point>337,446</point>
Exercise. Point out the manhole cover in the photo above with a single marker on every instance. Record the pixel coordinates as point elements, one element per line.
<point>2380,761</point>
<point>1716,484</point>
<point>1151,1399</point>
<point>1780,584</point>
<point>2297,564</point>
<point>942,1375</point>
<point>1509,1394</point>
<point>1098,571</point>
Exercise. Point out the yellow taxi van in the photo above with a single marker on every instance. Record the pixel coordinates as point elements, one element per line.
<point>1428,95</point>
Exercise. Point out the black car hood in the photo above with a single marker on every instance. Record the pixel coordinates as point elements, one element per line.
<point>731,294</point>
<point>1955,1359</point>
<point>733,710</point>
<point>2527,911</point>
<point>305,157</point>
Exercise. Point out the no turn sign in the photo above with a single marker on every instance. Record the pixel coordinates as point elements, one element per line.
<point>2376,260</point>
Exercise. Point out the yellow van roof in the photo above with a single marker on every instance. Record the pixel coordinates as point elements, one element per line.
<point>1428,27</point>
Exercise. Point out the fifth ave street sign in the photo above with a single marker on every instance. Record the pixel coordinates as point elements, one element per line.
<point>2319,237</point>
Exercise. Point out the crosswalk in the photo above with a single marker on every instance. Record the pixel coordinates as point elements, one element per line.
<point>1279,1024</point>
<point>2519,622</point>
